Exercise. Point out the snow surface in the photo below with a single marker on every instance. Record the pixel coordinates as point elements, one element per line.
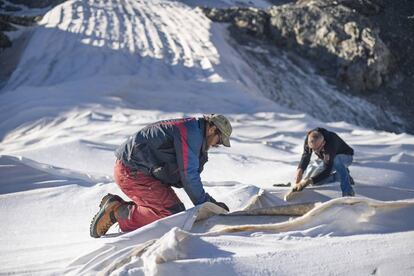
<point>94,72</point>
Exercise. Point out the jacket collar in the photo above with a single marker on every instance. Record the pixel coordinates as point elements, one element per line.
<point>202,126</point>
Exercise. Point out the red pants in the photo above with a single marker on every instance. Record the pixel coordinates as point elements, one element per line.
<point>152,199</point>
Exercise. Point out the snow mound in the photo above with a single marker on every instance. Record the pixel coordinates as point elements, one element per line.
<point>360,216</point>
<point>402,157</point>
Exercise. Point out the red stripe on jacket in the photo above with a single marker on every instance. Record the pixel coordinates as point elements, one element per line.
<point>183,134</point>
<point>184,145</point>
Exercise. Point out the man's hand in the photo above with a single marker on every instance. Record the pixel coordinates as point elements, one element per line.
<point>299,174</point>
<point>302,184</point>
<point>222,205</point>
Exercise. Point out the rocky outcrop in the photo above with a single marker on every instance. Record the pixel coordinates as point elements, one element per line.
<point>364,46</point>
<point>5,27</point>
<point>252,21</point>
<point>341,41</point>
<point>35,4</point>
<point>347,42</point>
<point>8,23</point>
<point>8,16</point>
<point>4,41</point>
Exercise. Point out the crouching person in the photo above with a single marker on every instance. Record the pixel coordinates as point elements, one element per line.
<point>335,156</point>
<point>163,154</point>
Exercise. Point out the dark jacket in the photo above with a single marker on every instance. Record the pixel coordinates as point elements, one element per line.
<point>172,151</point>
<point>333,145</point>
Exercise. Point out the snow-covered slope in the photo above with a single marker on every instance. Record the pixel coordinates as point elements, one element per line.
<point>95,72</point>
<point>161,40</point>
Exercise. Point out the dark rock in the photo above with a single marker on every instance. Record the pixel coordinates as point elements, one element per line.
<point>11,8</point>
<point>18,20</point>
<point>396,22</point>
<point>4,41</point>
<point>220,15</point>
<point>365,7</point>
<point>341,42</point>
<point>249,20</point>
<point>37,3</point>
<point>348,43</point>
<point>6,25</point>
<point>10,51</point>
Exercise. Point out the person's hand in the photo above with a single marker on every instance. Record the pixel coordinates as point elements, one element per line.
<point>302,184</point>
<point>299,174</point>
<point>222,205</point>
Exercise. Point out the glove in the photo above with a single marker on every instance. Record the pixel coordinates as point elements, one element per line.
<point>222,205</point>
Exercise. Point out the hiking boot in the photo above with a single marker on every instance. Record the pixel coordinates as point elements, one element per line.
<point>350,193</point>
<point>106,217</point>
<point>351,180</point>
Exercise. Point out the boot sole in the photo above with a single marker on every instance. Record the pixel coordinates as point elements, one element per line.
<point>107,197</point>
<point>92,227</point>
<point>105,200</point>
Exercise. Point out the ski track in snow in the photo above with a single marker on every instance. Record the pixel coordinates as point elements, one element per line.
<point>95,72</point>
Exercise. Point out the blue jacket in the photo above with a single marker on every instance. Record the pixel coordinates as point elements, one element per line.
<point>172,151</point>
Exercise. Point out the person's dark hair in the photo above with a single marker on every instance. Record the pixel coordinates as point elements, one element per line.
<point>314,138</point>
<point>210,124</point>
<point>207,118</point>
<point>315,135</point>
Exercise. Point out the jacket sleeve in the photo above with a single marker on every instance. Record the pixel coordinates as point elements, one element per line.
<point>187,146</point>
<point>306,156</point>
